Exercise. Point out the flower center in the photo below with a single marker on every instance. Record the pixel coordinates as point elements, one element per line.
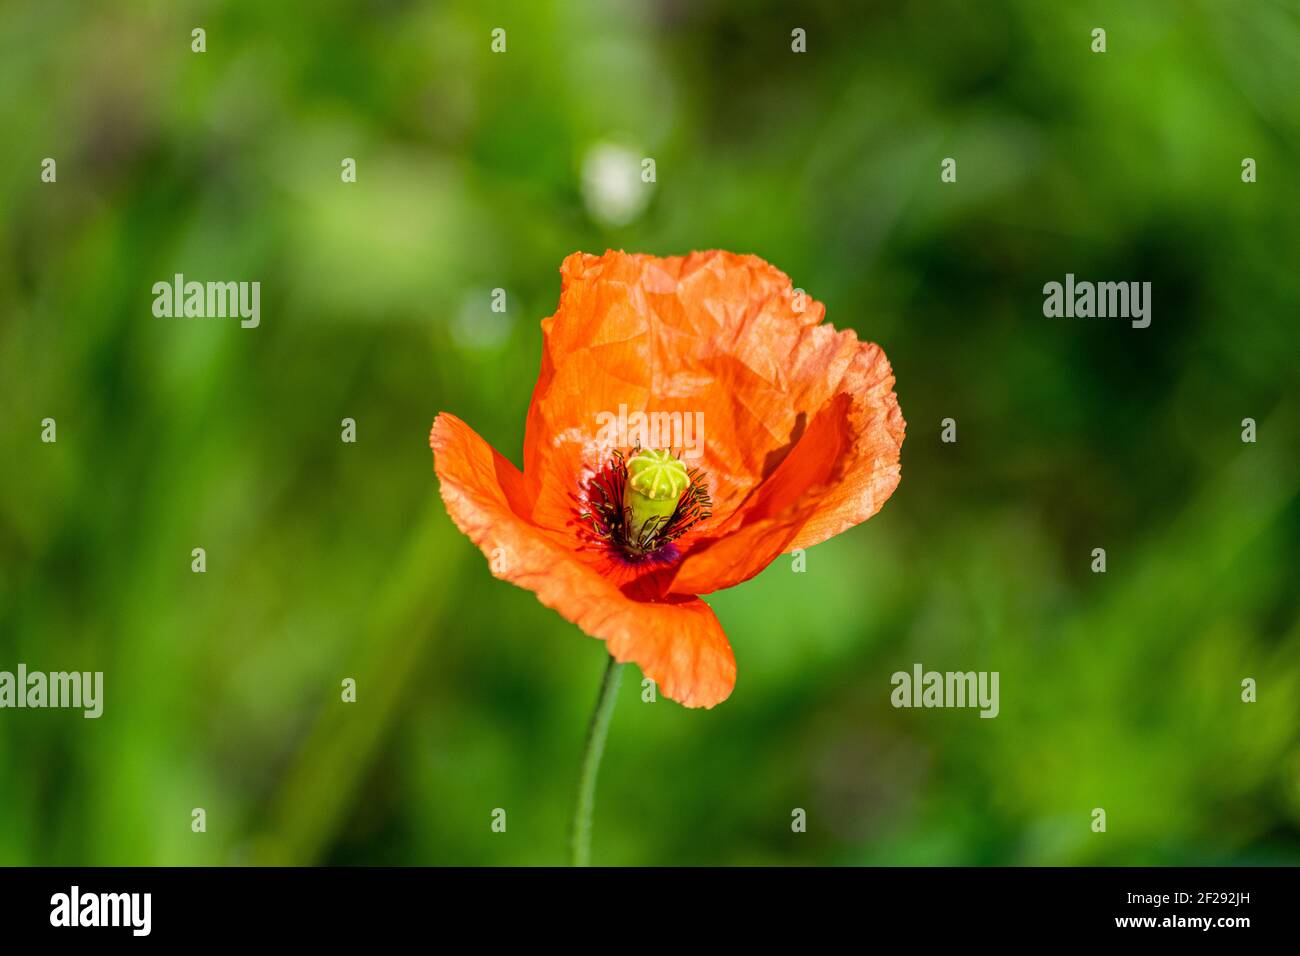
<point>639,506</point>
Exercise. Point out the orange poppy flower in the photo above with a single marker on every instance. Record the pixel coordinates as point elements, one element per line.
<point>801,433</point>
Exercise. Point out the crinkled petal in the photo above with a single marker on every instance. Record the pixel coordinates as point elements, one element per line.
<point>868,468</point>
<point>712,337</point>
<point>780,509</point>
<point>724,341</point>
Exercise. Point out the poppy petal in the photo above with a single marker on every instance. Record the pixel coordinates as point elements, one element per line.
<point>727,337</point>
<point>869,468</point>
<point>713,336</point>
<point>782,506</point>
<point>677,640</point>
<point>841,472</point>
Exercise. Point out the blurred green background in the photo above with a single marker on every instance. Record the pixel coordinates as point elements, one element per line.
<point>478,171</point>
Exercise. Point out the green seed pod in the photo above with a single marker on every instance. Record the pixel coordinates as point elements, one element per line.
<point>656,482</point>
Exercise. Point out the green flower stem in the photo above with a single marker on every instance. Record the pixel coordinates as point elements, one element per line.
<point>580,838</point>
